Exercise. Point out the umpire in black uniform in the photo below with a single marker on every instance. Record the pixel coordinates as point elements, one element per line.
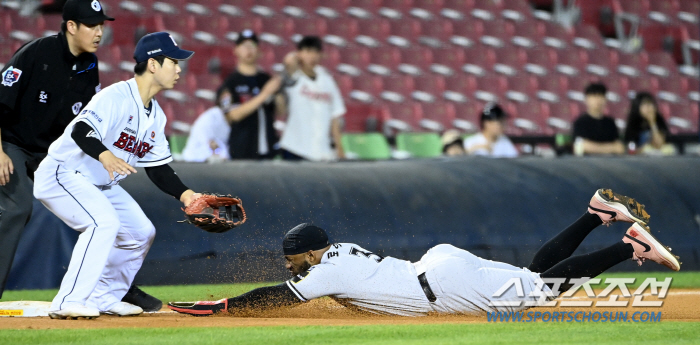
<point>44,86</point>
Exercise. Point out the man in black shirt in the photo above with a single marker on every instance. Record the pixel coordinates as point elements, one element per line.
<point>595,133</point>
<point>248,99</point>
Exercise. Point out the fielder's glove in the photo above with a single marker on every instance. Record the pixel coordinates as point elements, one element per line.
<point>215,212</point>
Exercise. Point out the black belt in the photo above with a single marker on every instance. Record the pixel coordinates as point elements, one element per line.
<point>426,287</point>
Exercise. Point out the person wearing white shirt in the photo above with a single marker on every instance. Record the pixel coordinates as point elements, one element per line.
<point>315,106</point>
<point>491,141</point>
<point>208,137</point>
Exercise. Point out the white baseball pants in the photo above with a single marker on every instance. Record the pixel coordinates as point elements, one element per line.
<point>115,236</point>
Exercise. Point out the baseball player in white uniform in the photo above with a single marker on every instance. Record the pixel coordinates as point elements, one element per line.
<point>447,279</point>
<point>315,106</point>
<point>121,127</point>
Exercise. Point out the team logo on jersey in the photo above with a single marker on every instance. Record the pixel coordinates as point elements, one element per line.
<point>319,96</point>
<point>43,97</point>
<point>129,144</point>
<point>98,88</point>
<point>153,136</point>
<point>11,76</point>
<point>76,107</point>
<point>131,117</point>
<point>96,5</point>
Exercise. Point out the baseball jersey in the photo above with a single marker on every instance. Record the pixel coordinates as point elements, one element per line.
<point>354,276</point>
<point>313,104</point>
<point>122,123</point>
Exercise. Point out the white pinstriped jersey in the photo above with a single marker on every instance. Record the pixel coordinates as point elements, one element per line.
<point>119,120</point>
<point>354,276</point>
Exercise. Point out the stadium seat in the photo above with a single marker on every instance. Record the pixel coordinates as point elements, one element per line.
<point>408,28</point>
<point>636,7</point>
<point>497,32</point>
<point>556,35</point>
<point>600,62</point>
<point>280,26</point>
<point>448,60</point>
<point>517,10</point>
<point>360,117</point>
<point>385,56</point>
<point>571,62</point>
<point>467,116</point>
<point>428,87</point>
<point>479,60</point>
<point>397,88</point>
<point>370,146</point>
<point>180,26</point>
<point>529,118</point>
<point>419,144</point>
<point>491,88</point>
<point>561,115</point>
<point>439,116</point>
<point>664,11</point>
<point>470,30</point>
<point>618,86</point>
<point>311,25</point>
<point>683,117</point>
<point>632,64</point>
<point>588,37</point>
<point>688,11</point>
<point>416,60</point>
<point>509,60</point>
<point>357,56</point>
<point>377,28</point>
<point>438,29</point>
<point>693,87</point>
<point>541,60</point>
<point>367,88</point>
<point>344,83</point>
<point>344,27</point>
<point>618,111</point>
<point>464,6</point>
<point>459,88</point>
<point>671,89</point>
<point>522,89</point>
<point>239,24</point>
<point>661,64</point>
<point>552,88</point>
<point>402,117</point>
<point>528,33</point>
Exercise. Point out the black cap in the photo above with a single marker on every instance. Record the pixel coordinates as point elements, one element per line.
<point>493,112</point>
<point>84,11</point>
<point>245,35</point>
<point>304,237</point>
<point>159,43</point>
<point>596,88</point>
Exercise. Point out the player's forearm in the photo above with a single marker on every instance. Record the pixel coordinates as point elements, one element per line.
<point>82,134</point>
<point>164,177</point>
<point>267,297</point>
<point>246,109</point>
<point>593,147</point>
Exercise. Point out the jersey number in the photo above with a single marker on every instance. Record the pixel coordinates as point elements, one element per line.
<point>357,252</point>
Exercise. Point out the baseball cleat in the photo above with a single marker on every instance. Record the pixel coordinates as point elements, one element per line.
<point>613,207</point>
<point>139,298</point>
<point>200,308</point>
<point>647,247</point>
<point>124,309</point>
<point>75,312</point>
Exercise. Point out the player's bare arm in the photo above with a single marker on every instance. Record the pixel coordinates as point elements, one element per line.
<point>6,167</point>
<point>113,164</point>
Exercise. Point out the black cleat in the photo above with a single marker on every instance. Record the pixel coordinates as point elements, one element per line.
<point>199,308</point>
<point>139,298</point>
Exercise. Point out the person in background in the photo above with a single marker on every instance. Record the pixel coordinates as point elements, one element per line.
<point>646,129</point>
<point>491,141</point>
<point>247,97</point>
<point>595,133</point>
<point>208,139</point>
<point>452,143</point>
<point>315,106</point>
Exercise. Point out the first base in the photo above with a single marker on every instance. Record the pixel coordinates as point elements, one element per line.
<point>24,309</point>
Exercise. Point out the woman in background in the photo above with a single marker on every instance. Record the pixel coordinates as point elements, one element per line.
<point>646,128</point>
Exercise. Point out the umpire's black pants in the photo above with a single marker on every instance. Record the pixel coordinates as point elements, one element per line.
<point>15,204</point>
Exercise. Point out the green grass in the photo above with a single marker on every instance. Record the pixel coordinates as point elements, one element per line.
<point>524,333</point>
<point>479,333</point>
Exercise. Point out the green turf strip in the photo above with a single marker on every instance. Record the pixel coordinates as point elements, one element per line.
<point>539,333</point>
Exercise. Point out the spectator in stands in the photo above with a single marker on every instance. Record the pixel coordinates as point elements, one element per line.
<point>491,141</point>
<point>248,98</point>
<point>452,143</point>
<point>315,106</point>
<point>646,130</point>
<point>595,133</point>
<point>208,140</point>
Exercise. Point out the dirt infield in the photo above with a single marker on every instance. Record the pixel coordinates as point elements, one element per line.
<point>679,305</point>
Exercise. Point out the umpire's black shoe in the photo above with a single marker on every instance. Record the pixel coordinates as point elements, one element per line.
<point>137,297</point>
<point>200,308</point>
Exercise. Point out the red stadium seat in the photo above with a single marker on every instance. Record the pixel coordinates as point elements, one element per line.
<point>518,10</point>
<point>432,6</point>
<point>377,28</point>
<point>275,5</point>
<point>358,117</point>
<point>556,35</point>
<point>307,8</point>
<point>460,87</point>
<point>311,26</point>
<point>345,27</point>
<point>671,89</point>
<point>180,25</point>
<point>588,37</point>
<point>355,55</point>
<point>429,87</point>
<point>510,60</point>
<point>408,113</point>
<point>450,57</point>
<point>638,7</point>
<point>561,115</point>
<point>529,118</point>
<point>619,111</point>
<point>463,6</point>
<point>467,116</point>
<point>470,29</point>
<point>440,29</point>
<point>633,63</point>
<point>664,11</point>
<point>372,85</point>
<point>385,56</point>
<point>541,60</point>
<point>662,64</point>
<point>618,87</point>
<point>522,89</point>
<point>370,5</point>
<point>491,88</point>
<point>600,62</point>
<point>552,88</point>
<point>495,31</point>
<point>488,5</point>
<point>688,11</point>
<point>417,57</point>
<point>408,28</point>
<point>527,33</point>
<point>399,5</point>
<point>479,58</point>
<point>246,22</point>
<point>683,117</point>
<point>398,88</point>
<point>571,62</point>
<point>438,116</point>
<point>280,26</point>
<point>344,83</point>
